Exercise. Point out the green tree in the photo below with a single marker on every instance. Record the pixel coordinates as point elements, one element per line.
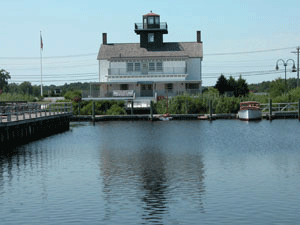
<point>36,90</point>
<point>26,88</point>
<point>277,87</point>
<point>241,87</point>
<point>222,85</point>
<point>232,86</point>
<point>4,76</point>
<point>13,88</point>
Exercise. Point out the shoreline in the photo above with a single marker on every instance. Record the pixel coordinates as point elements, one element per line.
<point>231,116</point>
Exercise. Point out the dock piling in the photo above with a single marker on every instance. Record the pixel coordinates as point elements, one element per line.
<point>210,109</point>
<point>151,110</point>
<point>270,109</point>
<point>93,112</point>
<point>299,109</point>
<point>79,108</point>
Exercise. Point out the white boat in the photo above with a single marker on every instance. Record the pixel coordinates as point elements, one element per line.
<point>249,111</point>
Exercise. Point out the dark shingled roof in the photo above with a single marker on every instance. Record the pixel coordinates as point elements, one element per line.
<point>173,49</point>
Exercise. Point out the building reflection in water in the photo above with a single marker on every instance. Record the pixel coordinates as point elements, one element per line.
<point>155,184</point>
<point>151,178</point>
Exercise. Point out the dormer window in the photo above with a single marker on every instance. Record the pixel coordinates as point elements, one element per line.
<point>151,37</point>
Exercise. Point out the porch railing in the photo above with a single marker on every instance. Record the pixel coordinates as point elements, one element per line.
<point>152,76</point>
<point>139,26</point>
<point>164,71</point>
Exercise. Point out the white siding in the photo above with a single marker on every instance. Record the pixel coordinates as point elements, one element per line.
<point>103,69</point>
<point>174,67</point>
<point>174,63</point>
<point>118,65</point>
<point>194,69</point>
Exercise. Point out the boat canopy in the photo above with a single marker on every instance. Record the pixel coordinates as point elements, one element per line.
<point>249,105</point>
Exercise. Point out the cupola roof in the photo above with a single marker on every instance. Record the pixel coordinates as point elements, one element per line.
<point>151,14</point>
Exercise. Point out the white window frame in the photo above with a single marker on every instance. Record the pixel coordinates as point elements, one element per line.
<point>137,67</point>
<point>129,67</point>
<point>159,66</point>
<point>151,67</point>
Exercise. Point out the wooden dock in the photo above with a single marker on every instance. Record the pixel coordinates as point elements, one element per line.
<point>22,123</point>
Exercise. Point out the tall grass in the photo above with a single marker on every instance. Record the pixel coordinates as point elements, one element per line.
<point>16,97</point>
<point>187,104</point>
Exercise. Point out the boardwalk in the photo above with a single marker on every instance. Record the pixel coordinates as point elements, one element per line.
<point>12,113</point>
<point>22,123</point>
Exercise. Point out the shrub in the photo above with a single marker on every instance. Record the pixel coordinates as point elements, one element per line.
<point>101,107</point>
<point>227,105</point>
<point>70,95</point>
<point>116,110</point>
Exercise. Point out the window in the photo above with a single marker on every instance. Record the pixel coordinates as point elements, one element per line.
<point>137,67</point>
<point>159,66</point>
<point>152,66</point>
<point>169,86</point>
<point>192,86</point>
<point>150,20</point>
<point>157,20</point>
<point>146,87</point>
<point>150,37</point>
<point>123,87</point>
<point>129,67</point>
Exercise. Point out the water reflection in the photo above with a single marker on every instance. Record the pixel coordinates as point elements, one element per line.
<point>153,175</point>
<point>155,184</point>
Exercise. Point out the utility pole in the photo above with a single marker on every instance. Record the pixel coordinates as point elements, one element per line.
<point>297,52</point>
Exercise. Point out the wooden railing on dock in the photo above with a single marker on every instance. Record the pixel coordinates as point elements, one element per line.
<point>10,112</point>
<point>281,107</point>
<point>281,110</point>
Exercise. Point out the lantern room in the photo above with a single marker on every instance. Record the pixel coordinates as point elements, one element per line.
<point>151,20</point>
<point>151,31</point>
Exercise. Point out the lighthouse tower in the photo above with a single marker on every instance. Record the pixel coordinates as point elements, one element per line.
<point>151,31</point>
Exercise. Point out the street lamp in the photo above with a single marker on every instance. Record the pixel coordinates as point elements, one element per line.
<point>285,65</point>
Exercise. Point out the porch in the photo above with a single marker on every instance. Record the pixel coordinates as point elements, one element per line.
<point>143,89</point>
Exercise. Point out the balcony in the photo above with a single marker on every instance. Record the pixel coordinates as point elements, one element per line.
<point>170,73</point>
<point>138,27</point>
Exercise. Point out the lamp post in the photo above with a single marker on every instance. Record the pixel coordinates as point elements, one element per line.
<point>298,50</point>
<point>285,63</point>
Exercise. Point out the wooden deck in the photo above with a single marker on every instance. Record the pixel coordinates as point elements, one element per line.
<point>22,123</point>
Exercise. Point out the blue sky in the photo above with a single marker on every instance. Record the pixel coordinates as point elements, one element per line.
<point>72,34</point>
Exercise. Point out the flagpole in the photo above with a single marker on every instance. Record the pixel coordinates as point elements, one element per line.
<point>41,64</point>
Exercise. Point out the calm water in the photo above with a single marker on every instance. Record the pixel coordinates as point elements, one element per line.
<point>177,172</point>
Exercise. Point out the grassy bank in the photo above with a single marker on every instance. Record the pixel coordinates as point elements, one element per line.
<point>199,104</point>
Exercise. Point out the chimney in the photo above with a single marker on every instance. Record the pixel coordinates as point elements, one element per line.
<point>104,38</point>
<point>199,36</point>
